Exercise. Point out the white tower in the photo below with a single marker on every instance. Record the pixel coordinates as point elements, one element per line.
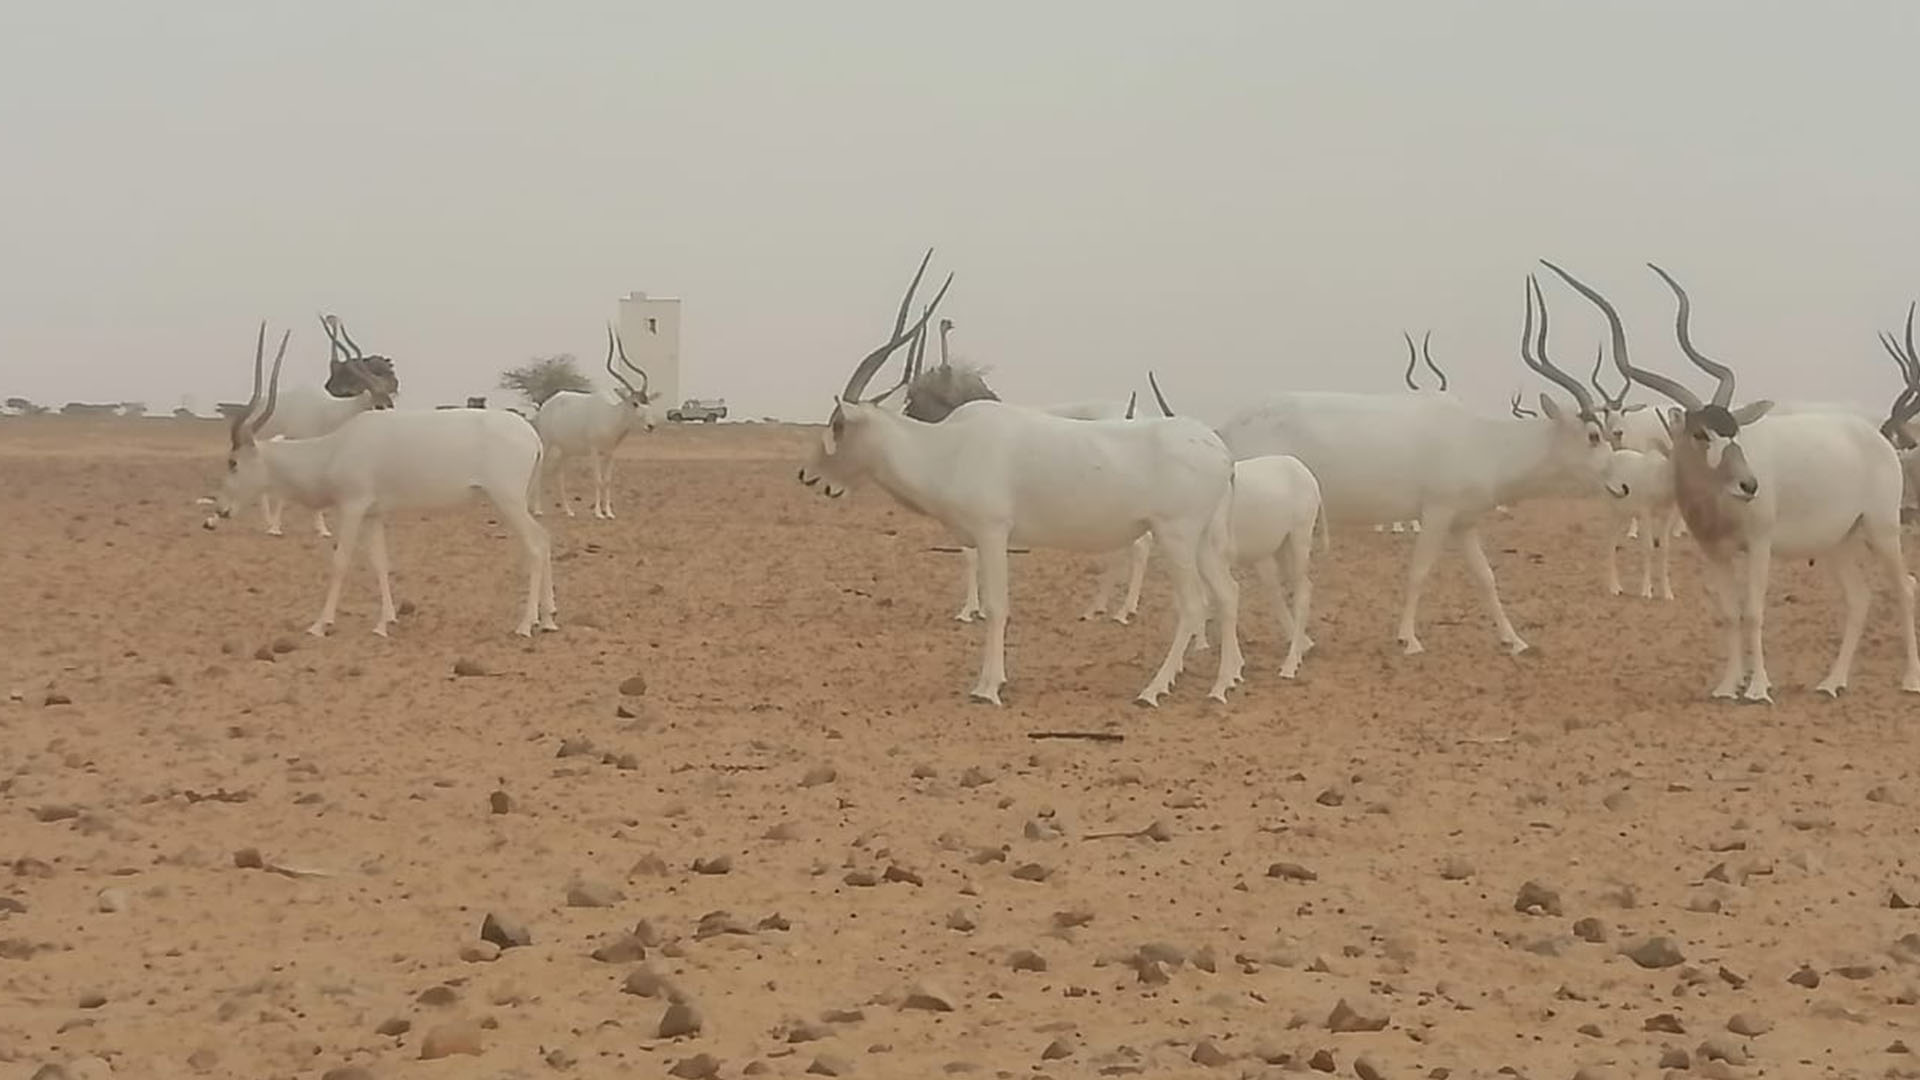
<point>650,331</point>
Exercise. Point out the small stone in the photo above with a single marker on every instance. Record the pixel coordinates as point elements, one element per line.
<point>1806,977</point>
<point>625,949</point>
<point>819,774</point>
<point>348,1072</point>
<point>719,864</point>
<point>975,777</point>
<point>1062,1047</point>
<point>500,802</point>
<point>697,1067</point>
<point>447,1040</point>
<point>1321,1061</point>
<point>394,1027</point>
<point>113,901</point>
<point>1289,871</point>
<point>647,983</point>
<point>1031,872</point>
<point>593,894</point>
<point>902,875</point>
<point>1592,930</point>
<point>1749,1024</point>
<point>862,879</point>
<point>804,1032</point>
<point>681,1019</point>
<point>1665,1022</point>
<point>1333,796</point>
<point>1721,1048</point>
<point>204,1059</point>
<point>1675,1058</point>
<point>1365,1068</point>
<point>479,952</point>
<point>1618,801</point>
<point>1655,952</point>
<point>55,699</point>
<point>505,932</point>
<point>1207,1054</point>
<point>926,997</point>
<point>92,1000</point>
<point>1537,899</point>
<point>634,686</point>
<point>248,859</point>
<point>1027,960</point>
<point>1072,919</point>
<point>829,1065</point>
<point>468,669</point>
<point>1358,1014</point>
<point>56,812</point>
<point>437,996</point>
<point>963,920</point>
<point>1456,869</point>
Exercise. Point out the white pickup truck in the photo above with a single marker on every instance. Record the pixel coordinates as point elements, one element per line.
<point>703,410</point>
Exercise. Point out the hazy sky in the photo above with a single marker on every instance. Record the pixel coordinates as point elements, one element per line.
<point>1246,196</point>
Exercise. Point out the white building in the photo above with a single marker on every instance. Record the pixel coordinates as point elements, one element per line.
<point>650,331</point>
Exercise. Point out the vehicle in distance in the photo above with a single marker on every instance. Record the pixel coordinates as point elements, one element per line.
<point>702,410</point>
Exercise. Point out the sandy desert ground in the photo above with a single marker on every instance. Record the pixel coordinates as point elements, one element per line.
<point>231,850</point>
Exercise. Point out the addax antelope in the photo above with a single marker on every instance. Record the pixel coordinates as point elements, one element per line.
<point>1388,457</point>
<point>586,423</point>
<point>1822,486</point>
<point>386,461</point>
<point>997,474</point>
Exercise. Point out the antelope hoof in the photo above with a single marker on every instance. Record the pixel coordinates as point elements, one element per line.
<point>986,697</point>
<point>1149,699</point>
<point>1831,688</point>
<point>523,631</point>
<point>319,629</point>
<point>1124,618</point>
<point>1412,646</point>
<point>1516,647</point>
<point>275,531</point>
<point>550,625</point>
<point>1761,697</point>
<point>966,616</point>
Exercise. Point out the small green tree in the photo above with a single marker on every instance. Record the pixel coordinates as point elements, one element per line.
<point>544,376</point>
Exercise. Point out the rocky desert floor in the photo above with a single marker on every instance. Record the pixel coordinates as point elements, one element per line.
<point>738,819</point>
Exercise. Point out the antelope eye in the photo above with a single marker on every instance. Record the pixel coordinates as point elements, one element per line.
<point>232,465</point>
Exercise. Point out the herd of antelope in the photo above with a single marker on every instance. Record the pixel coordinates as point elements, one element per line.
<point>1746,483</point>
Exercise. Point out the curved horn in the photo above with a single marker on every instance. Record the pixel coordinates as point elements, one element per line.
<point>863,372</point>
<point>611,370</point>
<point>1535,353</point>
<point>1412,359</point>
<point>352,347</point>
<point>1428,358</point>
<point>1519,410</point>
<point>946,327</point>
<point>1722,393</point>
<point>241,420</point>
<point>1652,380</point>
<point>334,348</point>
<point>273,384</point>
<point>1613,401</point>
<point>645,382</point>
<point>1165,409</point>
<point>1133,397</point>
<point>1907,404</point>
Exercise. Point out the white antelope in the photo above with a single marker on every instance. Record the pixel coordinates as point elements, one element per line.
<point>386,461</point>
<point>1820,486</point>
<point>1641,483</point>
<point>1897,428</point>
<point>585,422</point>
<point>355,383</point>
<point>997,474</point>
<point>1275,510</point>
<point>1387,457</point>
<point>932,396</point>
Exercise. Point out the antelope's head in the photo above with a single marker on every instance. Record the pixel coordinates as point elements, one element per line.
<point>1895,427</point>
<point>246,474</point>
<point>637,399</point>
<point>1613,408</point>
<point>1707,453</point>
<point>847,449</point>
<point>351,372</point>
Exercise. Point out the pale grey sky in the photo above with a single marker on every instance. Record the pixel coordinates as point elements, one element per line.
<point>1247,196</point>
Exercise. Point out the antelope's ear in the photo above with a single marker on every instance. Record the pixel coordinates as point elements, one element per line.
<point>1669,420</point>
<point>1754,410</point>
<point>1548,408</point>
<point>1635,407</point>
